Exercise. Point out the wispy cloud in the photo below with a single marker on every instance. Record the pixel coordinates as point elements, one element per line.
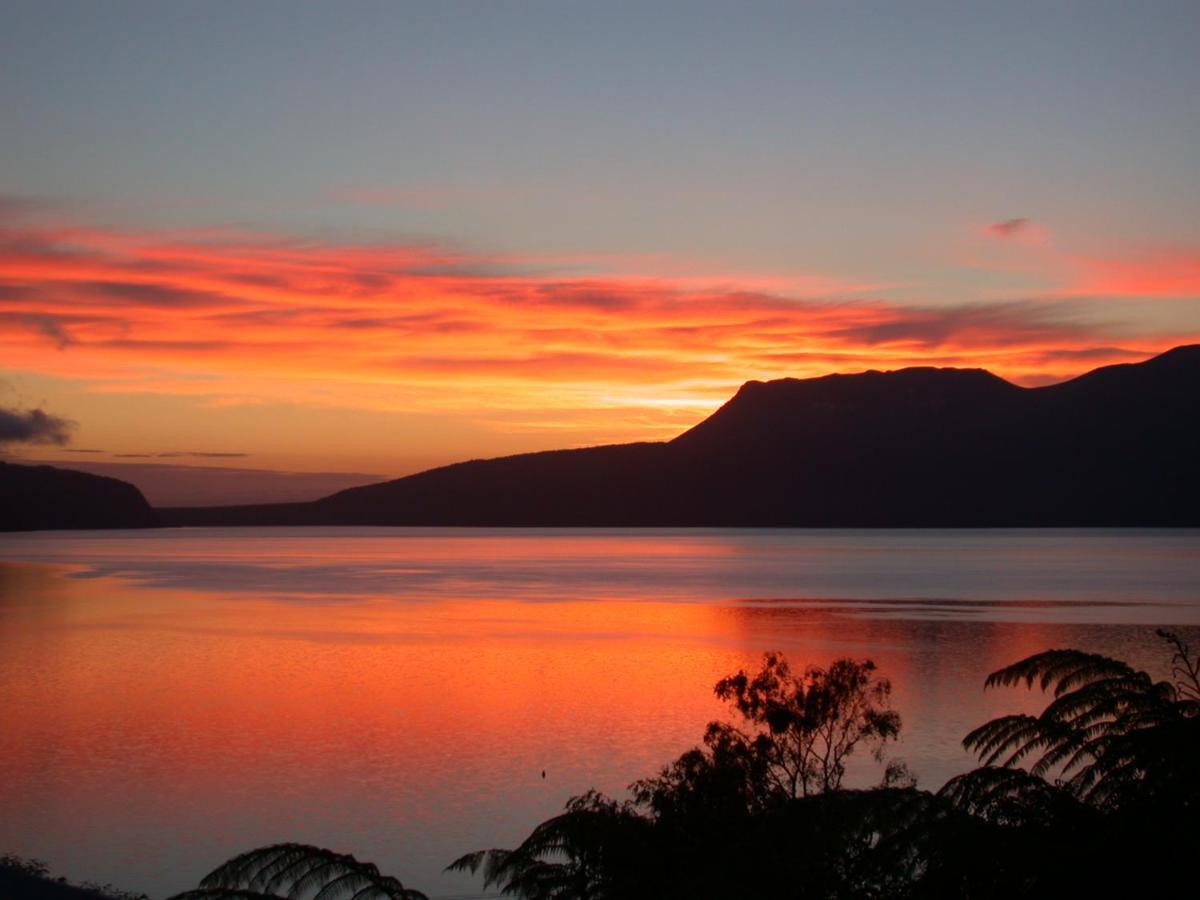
<point>172,454</point>
<point>237,317</point>
<point>1008,227</point>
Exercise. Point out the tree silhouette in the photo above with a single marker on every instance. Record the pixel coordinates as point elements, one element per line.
<point>805,727</point>
<point>707,823</point>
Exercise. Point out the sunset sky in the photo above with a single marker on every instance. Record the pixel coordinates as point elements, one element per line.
<point>374,237</point>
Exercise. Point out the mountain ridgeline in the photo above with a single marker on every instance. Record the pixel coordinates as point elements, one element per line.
<point>1118,446</point>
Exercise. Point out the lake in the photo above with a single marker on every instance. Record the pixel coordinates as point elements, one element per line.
<point>171,698</point>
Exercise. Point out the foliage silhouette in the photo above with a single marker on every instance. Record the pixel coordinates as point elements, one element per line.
<point>1184,666</point>
<point>807,726</point>
<point>1108,771</point>
<point>595,849</point>
<point>1098,795</point>
<point>298,872</point>
<point>1112,734</point>
<point>22,878</point>
<point>769,789</point>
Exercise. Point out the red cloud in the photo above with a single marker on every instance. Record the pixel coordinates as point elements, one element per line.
<point>1173,273</point>
<point>233,316</point>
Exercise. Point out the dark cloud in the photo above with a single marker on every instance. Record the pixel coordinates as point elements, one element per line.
<point>49,326</point>
<point>565,295</point>
<point>461,269</point>
<point>74,450</point>
<point>362,322</point>
<point>181,346</point>
<point>1008,227</point>
<point>434,321</point>
<point>33,426</point>
<point>984,324</point>
<point>153,295</point>
<point>271,316</point>
<point>202,454</point>
<point>257,280</point>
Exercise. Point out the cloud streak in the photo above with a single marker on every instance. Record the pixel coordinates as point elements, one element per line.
<point>236,317</point>
<point>201,454</point>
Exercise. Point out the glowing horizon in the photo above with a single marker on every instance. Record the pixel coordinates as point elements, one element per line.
<point>226,321</point>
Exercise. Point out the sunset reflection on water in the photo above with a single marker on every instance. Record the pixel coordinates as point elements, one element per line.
<point>173,698</point>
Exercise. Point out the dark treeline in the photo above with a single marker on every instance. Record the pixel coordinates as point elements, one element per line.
<point>30,879</point>
<point>1097,795</point>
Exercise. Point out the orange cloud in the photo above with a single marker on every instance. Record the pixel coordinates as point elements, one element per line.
<point>243,318</point>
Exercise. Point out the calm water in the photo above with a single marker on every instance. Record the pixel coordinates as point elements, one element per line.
<point>168,699</point>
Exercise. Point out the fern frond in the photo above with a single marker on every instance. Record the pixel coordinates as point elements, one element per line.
<point>1063,668</point>
<point>296,871</point>
<point>998,793</point>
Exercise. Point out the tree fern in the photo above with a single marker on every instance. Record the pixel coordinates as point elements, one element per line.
<point>1098,734</point>
<point>578,855</point>
<point>298,872</point>
<point>223,894</point>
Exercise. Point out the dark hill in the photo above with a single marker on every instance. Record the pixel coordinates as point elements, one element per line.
<point>37,497</point>
<point>917,447</point>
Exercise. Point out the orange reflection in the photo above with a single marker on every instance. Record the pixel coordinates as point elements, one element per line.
<point>154,728</point>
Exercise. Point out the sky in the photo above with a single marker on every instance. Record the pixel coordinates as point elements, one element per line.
<point>356,240</point>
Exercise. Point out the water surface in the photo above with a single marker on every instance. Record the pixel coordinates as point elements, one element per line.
<point>170,698</point>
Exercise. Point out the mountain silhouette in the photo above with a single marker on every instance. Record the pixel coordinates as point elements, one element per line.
<point>915,447</point>
<point>37,497</point>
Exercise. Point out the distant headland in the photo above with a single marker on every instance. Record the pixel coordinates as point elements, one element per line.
<point>918,447</point>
